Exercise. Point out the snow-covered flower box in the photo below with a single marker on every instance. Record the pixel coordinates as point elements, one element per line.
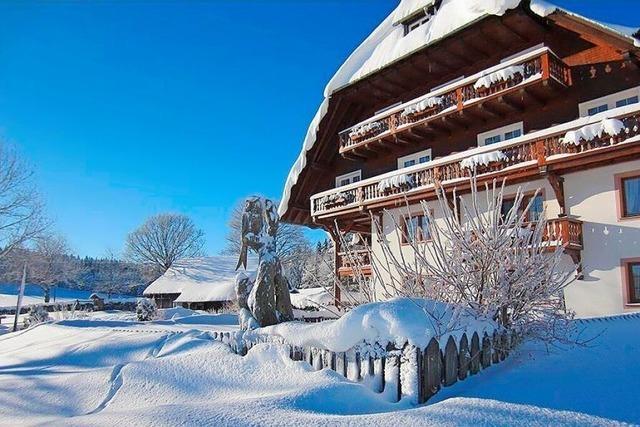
<point>611,127</point>
<point>366,130</point>
<point>483,159</point>
<point>337,199</point>
<point>503,75</point>
<point>421,108</point>
<point>402,182</point>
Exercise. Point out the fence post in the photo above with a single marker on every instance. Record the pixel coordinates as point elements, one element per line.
<point>463,357</point>
<point>475,354</point>
<point>392,378</point>
<point>504,345</point>
<point>486,351</point>
<point>496,348</point>
<point>432,368</point>
<point>450,362</point>
<point>410,385</point>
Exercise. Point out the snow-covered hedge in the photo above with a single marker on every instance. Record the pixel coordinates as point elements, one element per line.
<point>146,310</point>
<point>37,314</point>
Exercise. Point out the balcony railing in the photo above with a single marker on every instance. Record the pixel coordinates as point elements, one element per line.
<point>539,65</point>
<point>565,231</point>
<point>529,150</point>
<point>354,262</point>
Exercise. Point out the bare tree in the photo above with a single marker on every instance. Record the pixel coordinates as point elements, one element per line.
<point>496,265</point>
<point>21,210</point>
<point>163,239</point>
<point>49,263</point>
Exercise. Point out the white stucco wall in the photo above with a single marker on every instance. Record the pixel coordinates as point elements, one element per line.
<point>590,196</point>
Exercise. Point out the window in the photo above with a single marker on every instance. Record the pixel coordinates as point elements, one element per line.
<point>630,196</point>
<point>615,100</point>
<point>414,159</point>
<point>501,134</point>
<point>535,211</point>
<point>415,229</point>
<point>633,271</point>
<point>598,109</point>
<point>348,178</point>
<point>492,140</point>
<point>627,101</point>
<point>416,21</point>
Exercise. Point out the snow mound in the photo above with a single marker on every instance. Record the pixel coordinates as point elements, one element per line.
<point>397,321</point>
<point>311,298</point>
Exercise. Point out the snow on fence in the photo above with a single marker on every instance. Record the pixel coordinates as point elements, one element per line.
<point>398,373</point>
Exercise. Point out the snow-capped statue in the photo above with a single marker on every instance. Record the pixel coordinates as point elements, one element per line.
<point>266,301</point>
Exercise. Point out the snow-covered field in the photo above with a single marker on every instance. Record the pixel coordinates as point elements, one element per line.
<point>112,370</point>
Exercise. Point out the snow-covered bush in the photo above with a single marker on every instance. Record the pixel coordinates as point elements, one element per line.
<point>497,265</point>
<point>37,314</point>
<point>146,310</point>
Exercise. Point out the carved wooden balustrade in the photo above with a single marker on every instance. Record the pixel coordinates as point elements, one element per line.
<point>564,231</point>
<point>536,149</point>
<point>540,65</point>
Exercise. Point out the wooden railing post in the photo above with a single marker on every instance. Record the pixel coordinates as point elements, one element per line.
<point>459,98</point>
<point>544,63</point>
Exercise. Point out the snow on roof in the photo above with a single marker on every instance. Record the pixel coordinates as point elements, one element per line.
<point>201,279</point>
<point>388,43</point>
<point>311,298</point>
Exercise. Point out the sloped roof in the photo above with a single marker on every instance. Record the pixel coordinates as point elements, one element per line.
<point>388,44</point>
<point>203,279</point>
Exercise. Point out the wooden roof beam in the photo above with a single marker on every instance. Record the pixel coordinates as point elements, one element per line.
<point>519,108</point>
<point>483,106</point>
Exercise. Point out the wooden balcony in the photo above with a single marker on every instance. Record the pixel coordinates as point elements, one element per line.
<point>354,262</point>
<point>566,232</point>
<point>527,157</point>
<point>492,93</point>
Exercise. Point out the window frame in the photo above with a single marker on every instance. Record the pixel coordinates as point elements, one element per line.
<point>527,196</point>
<point>609,100</point>
<point>501,131</point>
<point>414,156</point>
<point>404,232</point>
<point>630,299</point>
<point>619,180</point>
<point>416,21</point>
<point>349,176</point>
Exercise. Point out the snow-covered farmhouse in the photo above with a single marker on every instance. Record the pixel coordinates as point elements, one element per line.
<point>520,90</point>
<point>198,283</point>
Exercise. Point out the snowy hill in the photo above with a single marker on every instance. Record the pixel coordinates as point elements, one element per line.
<point>172,373</point>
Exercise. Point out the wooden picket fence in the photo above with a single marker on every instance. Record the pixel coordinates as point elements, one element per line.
<point>410,372</point>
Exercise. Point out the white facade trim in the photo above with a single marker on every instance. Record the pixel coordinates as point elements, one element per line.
<point>415,158</point>
<point>352,177</point>
<point>607,102</point>
<point>501,133</point>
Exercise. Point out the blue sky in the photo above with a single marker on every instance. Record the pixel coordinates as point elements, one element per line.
<point>126,109</point>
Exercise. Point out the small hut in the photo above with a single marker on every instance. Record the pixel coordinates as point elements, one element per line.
<point>206,283</point>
